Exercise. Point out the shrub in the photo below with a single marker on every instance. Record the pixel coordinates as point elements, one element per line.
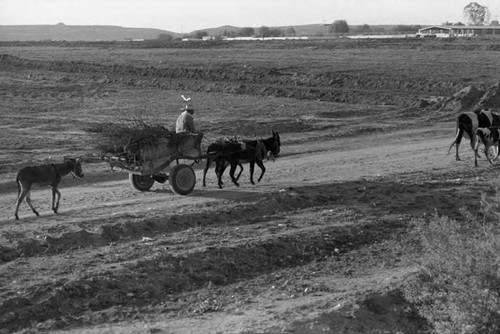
<point>458,287</point>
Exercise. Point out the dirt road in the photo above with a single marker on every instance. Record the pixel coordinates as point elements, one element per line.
<point>103,193</point>
<point>320,241</point>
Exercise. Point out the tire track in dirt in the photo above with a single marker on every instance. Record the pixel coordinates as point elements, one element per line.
<point>191,261</point>
<point>91,230</point>
<point>160,273</point>
<point>264,81</point>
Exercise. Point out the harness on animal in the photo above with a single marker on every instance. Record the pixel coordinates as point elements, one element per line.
<point>225,140</point>
<point>71,171</point>
<point>260,150</point>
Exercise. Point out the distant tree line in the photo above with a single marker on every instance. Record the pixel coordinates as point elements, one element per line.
<point>407,29</point>
<point>167,37</point>
<point>263,31</point>
<point>338,28</point>
<point>341,27</point>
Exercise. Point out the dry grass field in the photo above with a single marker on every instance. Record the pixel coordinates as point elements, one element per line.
<point>323,243</point>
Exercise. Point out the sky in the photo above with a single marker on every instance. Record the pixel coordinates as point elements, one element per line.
<point>184,16</point>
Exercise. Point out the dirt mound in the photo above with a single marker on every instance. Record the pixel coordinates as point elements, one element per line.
<point>472,97</point>
<point>491,98</point>
<point>375,313</point>
<point>466,98</point>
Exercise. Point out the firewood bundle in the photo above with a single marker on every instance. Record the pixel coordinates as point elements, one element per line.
<point>131,141</point>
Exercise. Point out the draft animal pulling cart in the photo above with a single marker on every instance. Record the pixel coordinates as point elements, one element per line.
<point>150,161</point>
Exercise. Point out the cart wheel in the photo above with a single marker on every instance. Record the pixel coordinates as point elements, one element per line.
<point>182,179</point>
<point>140,182</point>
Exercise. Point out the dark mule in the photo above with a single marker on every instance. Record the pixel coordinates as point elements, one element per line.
<point>254,152</point>
<point>50,174</point>
<point>219,152</point>
<point>468,123</point>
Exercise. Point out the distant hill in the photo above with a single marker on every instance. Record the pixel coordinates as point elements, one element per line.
<point>220,30</point>
<point>62,32</point>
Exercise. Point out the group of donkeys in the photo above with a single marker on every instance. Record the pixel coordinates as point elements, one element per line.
<point>483,128</point>
<point>228,152</point>
<point>224,153</point>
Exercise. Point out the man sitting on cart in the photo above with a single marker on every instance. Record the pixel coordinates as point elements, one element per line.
<point>185,121</point>
<point>185,124</point>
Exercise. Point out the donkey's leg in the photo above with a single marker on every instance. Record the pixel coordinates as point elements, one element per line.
<point>241,170</point>
<point>55,203</point>
<point>220,167</point>
<point>21,195</point>
<point>473,141</point>
<point>207,165</point>
<point>456,142</point>
<point>252,169</point>
<point>496,151</point>
<point>28,200</point>
<point>231,173</point>
<point>262,168</point>
<point>486,150</point>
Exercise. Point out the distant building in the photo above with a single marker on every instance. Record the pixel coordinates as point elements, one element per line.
<point>459,31</point>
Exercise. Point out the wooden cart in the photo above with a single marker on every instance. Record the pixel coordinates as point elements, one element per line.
<point>153,163</point>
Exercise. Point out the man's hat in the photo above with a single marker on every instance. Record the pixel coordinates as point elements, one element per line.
<point>188,106</point>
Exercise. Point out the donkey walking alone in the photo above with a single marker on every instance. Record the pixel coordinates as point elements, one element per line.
<point>49,174</point>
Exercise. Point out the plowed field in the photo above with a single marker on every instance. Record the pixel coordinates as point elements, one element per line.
<point>322,244</point>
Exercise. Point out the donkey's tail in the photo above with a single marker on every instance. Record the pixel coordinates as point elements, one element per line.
<point>460,130</point>
<point>18,182</point>
<point>454,140</point>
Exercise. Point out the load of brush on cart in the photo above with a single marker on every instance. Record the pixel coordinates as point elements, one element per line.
<point>136,141</point>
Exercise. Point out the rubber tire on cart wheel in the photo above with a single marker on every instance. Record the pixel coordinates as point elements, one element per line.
<point>182,179</point>
<point>141,182</point>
